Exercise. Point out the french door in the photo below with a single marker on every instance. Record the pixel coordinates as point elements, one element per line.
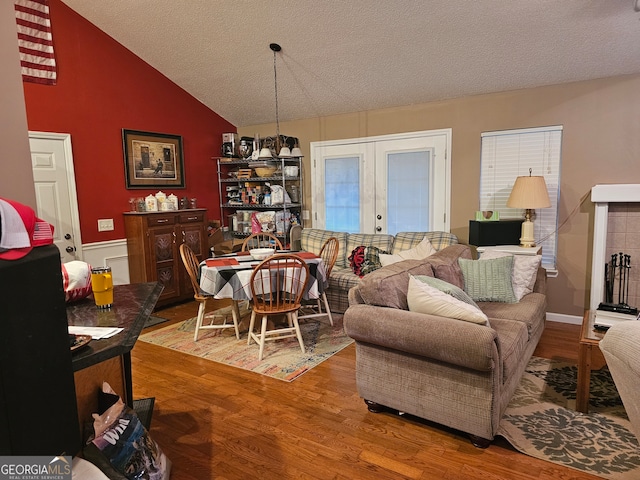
<point>384,184</point>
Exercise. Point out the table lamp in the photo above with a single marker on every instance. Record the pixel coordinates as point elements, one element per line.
<point>528,193</point>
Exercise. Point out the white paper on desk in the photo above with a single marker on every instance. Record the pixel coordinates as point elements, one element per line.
<point>97,333</point>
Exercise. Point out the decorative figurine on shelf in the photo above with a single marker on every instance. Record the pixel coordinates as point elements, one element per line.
<point>151,203</point>
<point>174,200</point>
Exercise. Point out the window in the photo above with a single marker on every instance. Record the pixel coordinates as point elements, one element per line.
<point>384,184</point>
<point>508,154</point>
<point>342,184</point>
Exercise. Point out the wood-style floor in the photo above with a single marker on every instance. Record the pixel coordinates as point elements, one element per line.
<point>218,422</point>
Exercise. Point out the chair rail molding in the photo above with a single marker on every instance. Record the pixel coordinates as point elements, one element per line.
<point>112,253</point>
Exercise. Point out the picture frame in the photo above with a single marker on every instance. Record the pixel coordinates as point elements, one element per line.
<point>152,159</point>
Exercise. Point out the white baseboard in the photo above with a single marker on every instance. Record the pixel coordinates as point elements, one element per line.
<point>112,254</point>
<point>562,318</point>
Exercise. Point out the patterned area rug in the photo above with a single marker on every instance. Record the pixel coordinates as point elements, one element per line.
<point>541,421</point>
<point>283,359</point>
<point>153,320</point>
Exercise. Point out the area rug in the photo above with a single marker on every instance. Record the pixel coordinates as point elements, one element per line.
<point>541,421</point>
<point>283,359</point>
<point>153,320</point>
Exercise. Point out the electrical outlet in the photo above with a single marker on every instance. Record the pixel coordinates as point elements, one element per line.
<point>305,214</point>
<point>105,224</point>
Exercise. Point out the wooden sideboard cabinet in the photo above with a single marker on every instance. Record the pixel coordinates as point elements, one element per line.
<point>153,244</point>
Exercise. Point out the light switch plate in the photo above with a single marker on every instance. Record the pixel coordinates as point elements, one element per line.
<point>105,224</point>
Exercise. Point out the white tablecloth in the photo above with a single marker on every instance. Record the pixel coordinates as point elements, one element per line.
<point>232,281</point>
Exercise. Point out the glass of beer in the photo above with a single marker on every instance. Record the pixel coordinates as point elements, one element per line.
<point>102,286</point>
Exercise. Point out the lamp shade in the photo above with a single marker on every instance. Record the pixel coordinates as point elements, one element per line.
<point>529,192</point>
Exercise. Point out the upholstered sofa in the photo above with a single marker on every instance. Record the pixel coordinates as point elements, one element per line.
<point>449,371</point>
<point>620,347</point>
<point>342,277</point>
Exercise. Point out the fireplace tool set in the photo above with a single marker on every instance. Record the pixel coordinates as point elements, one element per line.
<point>616,274</point>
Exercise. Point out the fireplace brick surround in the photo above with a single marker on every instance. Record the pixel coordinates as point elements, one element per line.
<point>616,229</point>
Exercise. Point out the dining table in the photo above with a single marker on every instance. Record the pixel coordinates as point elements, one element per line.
<point>229,276</point>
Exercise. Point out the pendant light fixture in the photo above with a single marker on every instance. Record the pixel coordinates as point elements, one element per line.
<point>281,145</point>
<point>276,48</point>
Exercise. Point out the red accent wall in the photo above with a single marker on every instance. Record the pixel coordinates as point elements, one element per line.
<point>102,88</point>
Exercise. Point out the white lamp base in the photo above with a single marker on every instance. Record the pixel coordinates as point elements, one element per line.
<point>527,240</point>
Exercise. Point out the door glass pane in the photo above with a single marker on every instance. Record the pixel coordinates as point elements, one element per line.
<point>342,194</point>
<point>408,192</point>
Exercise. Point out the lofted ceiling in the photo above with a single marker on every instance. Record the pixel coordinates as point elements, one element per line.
<point>342,56</point>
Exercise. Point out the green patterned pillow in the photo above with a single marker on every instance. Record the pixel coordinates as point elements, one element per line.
<point>488,280</point>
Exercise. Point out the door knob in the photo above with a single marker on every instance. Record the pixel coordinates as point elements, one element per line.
<point>70,249</point>
<point>379,217</point>
<point>378,229</point>
<point>67,236</point>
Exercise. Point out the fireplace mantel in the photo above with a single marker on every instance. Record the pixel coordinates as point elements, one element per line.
<point>626,192</point>
<point>602,196</point>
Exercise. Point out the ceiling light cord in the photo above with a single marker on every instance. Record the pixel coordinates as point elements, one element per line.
<point>276,48</point>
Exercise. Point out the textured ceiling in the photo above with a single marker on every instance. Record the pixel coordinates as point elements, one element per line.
<point>343,56</point>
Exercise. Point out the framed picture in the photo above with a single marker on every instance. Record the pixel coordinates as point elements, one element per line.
<point>152,159</point>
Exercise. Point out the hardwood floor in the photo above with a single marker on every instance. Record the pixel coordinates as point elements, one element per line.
<point>218,422</point>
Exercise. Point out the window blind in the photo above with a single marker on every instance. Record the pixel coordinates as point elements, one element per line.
<point>508,154</point>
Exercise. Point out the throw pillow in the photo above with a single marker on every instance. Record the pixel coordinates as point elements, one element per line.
<point>525,270</point>
<point>445,263</point>
<point>447,288</point>
<point>488,280</point>
<point>356,260</point>
<point>371,260</point>
<point>387,287</point>
<point>423,297</point>
<point>420,251</point>
<point>365,260</point>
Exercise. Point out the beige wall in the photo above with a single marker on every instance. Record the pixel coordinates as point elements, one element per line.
<point>16,180</point>
<point>601,144</point>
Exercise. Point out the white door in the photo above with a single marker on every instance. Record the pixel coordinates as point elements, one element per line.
<point>54,179</point>
<point>411,187</point>
<point>385,184</point>
<point>342,187</point>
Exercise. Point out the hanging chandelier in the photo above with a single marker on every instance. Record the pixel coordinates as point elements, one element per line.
<point>280,145</point>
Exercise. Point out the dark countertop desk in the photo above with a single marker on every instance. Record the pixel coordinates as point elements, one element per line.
<point>110,359</point>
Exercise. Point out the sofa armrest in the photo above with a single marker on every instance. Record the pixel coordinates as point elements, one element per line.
<point>541,281</point>
<point>444,339</point>
<point>354,296</point>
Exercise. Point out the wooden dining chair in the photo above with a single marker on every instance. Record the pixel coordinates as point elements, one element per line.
<point>261,240</point>
<point>329,254</point>
<point>277,285</point>
<point>192,266</point>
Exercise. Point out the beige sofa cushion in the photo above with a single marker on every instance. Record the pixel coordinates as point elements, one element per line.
<point>530,311</point>
<point>445,264</point>
<point>407,240</point>
<point>420,251</point>
<point>387,286</point>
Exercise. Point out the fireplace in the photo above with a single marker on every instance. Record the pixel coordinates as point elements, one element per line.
<point>616,229</point>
